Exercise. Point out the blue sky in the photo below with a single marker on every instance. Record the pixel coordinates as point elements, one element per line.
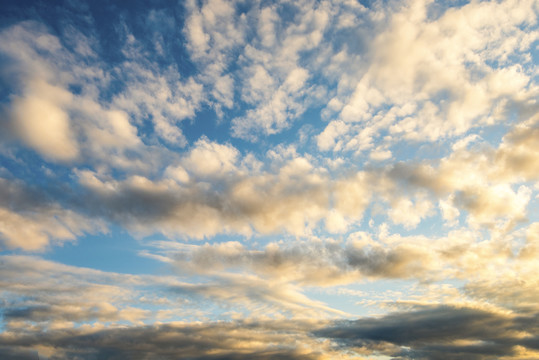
<point>269,179</point>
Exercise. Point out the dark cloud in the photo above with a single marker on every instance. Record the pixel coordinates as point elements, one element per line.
<point>196,342</point>
<point>18,354</point>
<point>399,262</point>
<point>432,333</point>
<point>439,333</point>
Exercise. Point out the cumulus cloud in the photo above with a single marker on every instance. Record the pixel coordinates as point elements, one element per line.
<point>210,159</point>
<point>517,155</point>
<point>162,96</point>
<point>215,30</point>
<point>273,83</point>
<point>42,123</point>
<point>38,113</point>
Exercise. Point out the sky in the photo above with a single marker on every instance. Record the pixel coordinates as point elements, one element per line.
<point>248,179</point>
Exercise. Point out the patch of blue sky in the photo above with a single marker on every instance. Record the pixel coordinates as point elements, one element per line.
<point>207,124</point>
<point>439,7</point>
<point>366,297</point>
<point>21,163</point>
<point>341,299</point>
<point>299,133</point>
<point>115,251</point>
<point>534,53</point>
<point>430,226</point>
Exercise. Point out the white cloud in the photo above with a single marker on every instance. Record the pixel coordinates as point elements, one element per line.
<point>274,114</point>
<point>41,122</point>
<point>487,205</point>
<point>445,70</point>
<point>380,154</point>
<point>162,96</point>
<point>209,159</point>
<point>404,211</point>
<point>214,31</point>
<point>275,83</point>
<point>449,212</point>
<point>326,139</point>
<point>34,232</point>
<point>177,173</point>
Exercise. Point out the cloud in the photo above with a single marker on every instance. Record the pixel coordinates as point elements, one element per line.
<point>430,333</point>
<point>222,194</point>
<point>438,333</point>
<point>434,331</point>
<point>404,211</point>
<point>272,85</point>
<point>106,131</point>
<point>445,73</point>
<point>42,124</point>
<point>31,231</point>
<point>320,263</point>
<point>488,183</point>
<point>326,139</point>
<point>467,257</point>
<point>213,188</point>
<point>43,310</point>
<point>210,159</point>
<point>37,113</point>
<point>282,76</point>
<point>273,115</point>
<point>162,96</point>
<point>39,294</point>
<point>215,31</point>
<point>244,340</point>
<point>16,354</point>
<point>30,221</point>
<point>258,295</point>
<point>517,155</point>
<point>512,291</point>
<point>65,111</point>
